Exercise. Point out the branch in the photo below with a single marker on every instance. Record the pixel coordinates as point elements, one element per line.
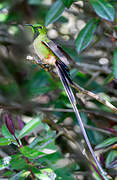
<point>95,96</point>
<point>57,128</point>
<point>93,67</point>
<point>82,90</point>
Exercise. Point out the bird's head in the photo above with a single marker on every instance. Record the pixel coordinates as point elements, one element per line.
<point>37,29</point>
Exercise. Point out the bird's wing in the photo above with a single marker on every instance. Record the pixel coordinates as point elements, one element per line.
<point>61,64</point>
<point>57,51</point>
<point>65,79</point>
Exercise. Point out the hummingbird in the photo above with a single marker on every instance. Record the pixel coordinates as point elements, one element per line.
<point>50,56</point>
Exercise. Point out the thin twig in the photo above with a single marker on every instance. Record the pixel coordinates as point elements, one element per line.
<point>108,115</point>
<point>85,125</point>
<point>93,67</point>
<point>95,96</point>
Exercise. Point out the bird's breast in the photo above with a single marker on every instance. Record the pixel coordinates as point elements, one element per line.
<point>46,56</point>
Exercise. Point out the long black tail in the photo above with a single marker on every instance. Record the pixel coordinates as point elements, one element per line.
<point>64,75</point>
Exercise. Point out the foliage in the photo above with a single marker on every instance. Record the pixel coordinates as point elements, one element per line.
<point>40,138</point>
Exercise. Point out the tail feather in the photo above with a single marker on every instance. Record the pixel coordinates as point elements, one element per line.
<point>63,73</point>
<point>65,79</point>
<point>64,66</point>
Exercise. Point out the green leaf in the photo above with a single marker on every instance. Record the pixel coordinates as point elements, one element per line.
<point>103,9</point>
<point>106,143</point>
<point>18,163</point>
<point>111,156</point>
<point>45,140</point>
<point>30,153</point>
<point>6,133</point>
<point>62,170</point>
<point>55,12</point>
<point>86,35</point>
<point>53,158</point>
<point>4,141</point>
<point>115,64</point>
<point>49,148</point>
<point>39,90</point>
<point>29,127</point>
<point>67,3</point>
<point>8,173</point>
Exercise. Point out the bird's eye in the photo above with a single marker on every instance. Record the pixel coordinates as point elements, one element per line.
<point>40,27</point>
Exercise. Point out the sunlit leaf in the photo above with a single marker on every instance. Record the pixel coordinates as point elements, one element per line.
<point>29,127</point>
<point>4,141</point>
<point>30,153</point>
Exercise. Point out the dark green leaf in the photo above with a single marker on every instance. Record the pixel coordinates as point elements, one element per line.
<point>4,141</point>
<point>35,86</point>
<point>115,64</point>
<point>103,9</point>
<point>55,12</point>
<point>94,137</point>
<point>86,35</point>
<point>67,3</point>
<point>29,127</point>
<point>39,90</point>
<point>111,156</point>
<point>106,143</point>
<point>72,53</point>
